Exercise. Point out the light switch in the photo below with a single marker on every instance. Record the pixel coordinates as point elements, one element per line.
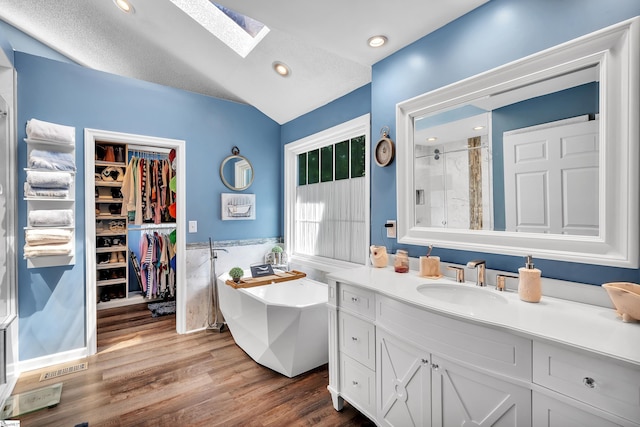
<point>193,226</point>
<point>391,228</point>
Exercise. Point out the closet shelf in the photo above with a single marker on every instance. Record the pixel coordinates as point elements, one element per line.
<point>110,265</point>
<point>108,183</point>
<point>111,233</point>
<point>109,249</point>
<point>107,200</point>
<point>110,282</point>
<point>103,163</point>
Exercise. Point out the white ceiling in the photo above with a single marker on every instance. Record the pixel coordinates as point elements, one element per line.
<point>323,42</point>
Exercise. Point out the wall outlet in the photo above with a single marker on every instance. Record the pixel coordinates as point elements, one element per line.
<point>391,228</point>
<point>193,226</point>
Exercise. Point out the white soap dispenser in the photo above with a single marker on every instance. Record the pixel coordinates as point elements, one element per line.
<point>530,285</point>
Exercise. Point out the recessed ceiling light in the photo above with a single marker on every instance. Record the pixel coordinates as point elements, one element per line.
<point>478,128</point>
<point>377,41</point>
<point>431,139</point>
<point>282,69</point>
<point>124,6</point>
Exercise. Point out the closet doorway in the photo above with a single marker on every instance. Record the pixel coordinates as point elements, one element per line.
<point>140,143</point>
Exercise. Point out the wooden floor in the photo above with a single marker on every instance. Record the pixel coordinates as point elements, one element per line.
<point>145,374</point>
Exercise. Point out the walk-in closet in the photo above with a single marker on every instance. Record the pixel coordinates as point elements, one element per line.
<point>135,224</point>
<point>133,254</point>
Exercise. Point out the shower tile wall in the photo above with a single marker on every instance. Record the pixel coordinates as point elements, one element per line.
<point>241,253</point>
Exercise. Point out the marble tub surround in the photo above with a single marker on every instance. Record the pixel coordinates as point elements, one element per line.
<point>241,253</point>
<point>581,326</point>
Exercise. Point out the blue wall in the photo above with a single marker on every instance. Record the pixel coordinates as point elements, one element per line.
<point>494,34</point>
<point>51,300</point>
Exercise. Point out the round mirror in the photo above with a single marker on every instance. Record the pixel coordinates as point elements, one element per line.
<point>236,172</point>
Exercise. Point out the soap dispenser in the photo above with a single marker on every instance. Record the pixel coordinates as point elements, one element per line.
<point>530,286</point>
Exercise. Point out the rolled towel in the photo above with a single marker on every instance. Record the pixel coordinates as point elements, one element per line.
<point>47,250</point>
<point>53,193</point>
<point>52,160</point>
<point>59,180</point>
<point>47,236</point>
<point>51,218</point>
<point>46,131</point>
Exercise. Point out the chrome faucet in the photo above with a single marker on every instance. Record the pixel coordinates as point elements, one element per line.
<point>479,265</point>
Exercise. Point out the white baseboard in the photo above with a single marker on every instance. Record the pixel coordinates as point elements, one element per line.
<point>53,359</point>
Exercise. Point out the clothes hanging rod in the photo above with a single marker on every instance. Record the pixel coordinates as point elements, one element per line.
<point>151,227</point>
<point>148,149</point>
<point>453,151</point>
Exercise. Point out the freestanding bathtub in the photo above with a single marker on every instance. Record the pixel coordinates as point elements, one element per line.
<point>282,326</point>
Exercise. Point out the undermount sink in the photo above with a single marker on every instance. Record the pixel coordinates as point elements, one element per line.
<point>461,295</point>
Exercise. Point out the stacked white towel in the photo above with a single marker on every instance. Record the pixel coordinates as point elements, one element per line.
<point>52,193</point>
<point>45,131</point>
<point>47,250</point>
<point>51,218</point>
<point>47,236</point>
<point>58,180</point>
<point>52,160</point>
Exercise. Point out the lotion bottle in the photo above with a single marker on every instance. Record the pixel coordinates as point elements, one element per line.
<point>530,286</point>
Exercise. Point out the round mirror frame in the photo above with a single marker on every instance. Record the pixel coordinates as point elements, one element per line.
<point>225,182</point>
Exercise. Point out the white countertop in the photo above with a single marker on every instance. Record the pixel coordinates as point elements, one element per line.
<point>588,327</point>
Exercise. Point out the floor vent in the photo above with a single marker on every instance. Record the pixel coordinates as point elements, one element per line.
<point>64,371</point>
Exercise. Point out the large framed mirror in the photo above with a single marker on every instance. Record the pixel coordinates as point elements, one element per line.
<point>537,156</point>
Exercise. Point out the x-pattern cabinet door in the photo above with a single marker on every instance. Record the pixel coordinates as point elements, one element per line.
<point>404,378</point>
<point>465,397</point>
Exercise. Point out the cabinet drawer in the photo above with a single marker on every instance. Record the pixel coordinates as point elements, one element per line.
<point>480,346</point>
<point>357,339</point>
<point>597,381</point>
<point>358,300</point>
<point>357,384</point>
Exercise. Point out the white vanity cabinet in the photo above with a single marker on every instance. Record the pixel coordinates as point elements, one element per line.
<point>352,347</point>
<point>438,371</point>
<point>595,384</point>
<point>429,370</point>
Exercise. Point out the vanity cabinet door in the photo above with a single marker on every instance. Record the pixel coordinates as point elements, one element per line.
<point>551,412</point>
<point>403,374</point>
<point>464,397</point>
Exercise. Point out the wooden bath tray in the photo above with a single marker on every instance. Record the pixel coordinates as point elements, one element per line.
<point>250,282</point>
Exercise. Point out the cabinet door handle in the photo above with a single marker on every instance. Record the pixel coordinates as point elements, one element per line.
<point>354,299</point>
<point>354,338</point>
<point>425,361</point>
<point>589,382</point>
<point>355,383</point>
<point>435,366</point>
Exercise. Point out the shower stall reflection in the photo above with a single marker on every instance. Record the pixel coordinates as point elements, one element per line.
<point>453,184</point>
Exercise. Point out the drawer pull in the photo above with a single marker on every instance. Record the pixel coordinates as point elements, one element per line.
<point>354,299</point>
<point>589,382</point>
<point>354,338</point>
<point>355,383</point>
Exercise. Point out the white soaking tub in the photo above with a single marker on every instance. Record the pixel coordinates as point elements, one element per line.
<point>282,326</point>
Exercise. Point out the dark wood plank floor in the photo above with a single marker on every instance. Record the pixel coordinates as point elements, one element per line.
<point>145,374</point>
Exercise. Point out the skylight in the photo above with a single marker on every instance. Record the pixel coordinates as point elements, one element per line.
<point>241,33</point>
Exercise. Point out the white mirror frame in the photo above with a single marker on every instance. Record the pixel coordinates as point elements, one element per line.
<point>617,50</point>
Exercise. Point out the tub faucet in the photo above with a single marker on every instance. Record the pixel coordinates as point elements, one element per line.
<point>479,265</point>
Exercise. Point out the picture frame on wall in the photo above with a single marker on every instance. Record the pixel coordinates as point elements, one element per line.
<point>238,206</point>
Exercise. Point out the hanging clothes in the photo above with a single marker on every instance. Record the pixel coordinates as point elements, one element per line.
<point>146,190</point>
<point>157,274</point>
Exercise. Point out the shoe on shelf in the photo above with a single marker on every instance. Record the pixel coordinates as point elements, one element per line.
<point>121,257</point>
<point>104,296</point>
<point>114,258</point>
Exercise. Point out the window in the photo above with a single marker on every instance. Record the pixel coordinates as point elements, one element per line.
<point>241,33</point>
<point>327,194</point>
